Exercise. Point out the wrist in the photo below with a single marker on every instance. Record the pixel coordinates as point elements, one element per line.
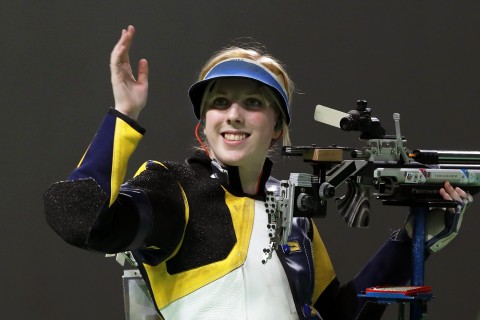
<point>132,122</point>
<point>132,114</point>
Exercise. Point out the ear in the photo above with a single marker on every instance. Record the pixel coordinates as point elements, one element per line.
<point>278,129</point>
<point>277,134</point>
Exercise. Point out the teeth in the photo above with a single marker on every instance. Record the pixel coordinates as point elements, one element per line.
<point>235,136</point>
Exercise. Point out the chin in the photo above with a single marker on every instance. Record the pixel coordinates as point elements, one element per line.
<point>236,159</point>
<point>231,161</point>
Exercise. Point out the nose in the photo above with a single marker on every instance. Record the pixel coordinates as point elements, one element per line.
<point>234,113</point>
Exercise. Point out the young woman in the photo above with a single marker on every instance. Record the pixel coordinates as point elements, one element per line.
<point>198,228</point>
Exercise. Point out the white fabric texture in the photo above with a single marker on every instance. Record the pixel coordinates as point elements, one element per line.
<point>252,291</point>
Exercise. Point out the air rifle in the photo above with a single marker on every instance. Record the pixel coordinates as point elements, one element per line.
<point>383,169</point>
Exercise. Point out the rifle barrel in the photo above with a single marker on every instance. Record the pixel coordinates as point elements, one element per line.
<point>446,157</point>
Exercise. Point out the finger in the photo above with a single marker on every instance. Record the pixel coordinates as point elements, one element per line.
<point>448,187</point>
<point>120,52</point>
<point>118,49</point>
<point>452,192</point>
<point>124,47</point>
<point>445,195</point>
<point>466,197</point>
<point>461,193</point>
<point>142,71</point>
<point>128,44</point>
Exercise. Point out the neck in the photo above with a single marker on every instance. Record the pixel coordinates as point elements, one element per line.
<point>250,178</point>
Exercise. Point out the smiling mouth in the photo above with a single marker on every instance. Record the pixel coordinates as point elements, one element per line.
<point>235,136</point>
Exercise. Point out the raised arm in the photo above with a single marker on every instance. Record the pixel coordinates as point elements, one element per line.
<point>130,93</point>
<point>89,199</point>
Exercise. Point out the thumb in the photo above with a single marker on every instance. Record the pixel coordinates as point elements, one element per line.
<point>142,71</point>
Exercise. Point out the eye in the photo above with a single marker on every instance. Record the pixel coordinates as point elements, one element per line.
<point>253,103</point>
<point>220,103</point>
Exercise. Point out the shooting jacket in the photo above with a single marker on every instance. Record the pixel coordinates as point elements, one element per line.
<point>198,238</point>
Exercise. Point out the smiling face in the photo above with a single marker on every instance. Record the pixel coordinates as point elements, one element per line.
<point>239,123</point>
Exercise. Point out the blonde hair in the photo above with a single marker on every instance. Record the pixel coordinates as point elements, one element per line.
<point>269,62</point>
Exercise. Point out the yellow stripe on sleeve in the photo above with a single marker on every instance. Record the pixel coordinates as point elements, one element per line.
<point>125,141</point>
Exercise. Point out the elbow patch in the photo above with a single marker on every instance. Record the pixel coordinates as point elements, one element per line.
<point>72,208</point>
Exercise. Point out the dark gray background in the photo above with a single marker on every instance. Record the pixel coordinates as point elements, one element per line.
<point>418,58</point>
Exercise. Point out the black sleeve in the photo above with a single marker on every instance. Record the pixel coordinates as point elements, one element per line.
<point>77,210</point>
<point>337,301</point>
<point>149,213</point>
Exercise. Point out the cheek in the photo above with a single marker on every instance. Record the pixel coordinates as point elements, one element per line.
<point>211,124</point>
<point>207,129</point>
<point>209,121</point>
<point>265,121</point>
<point>213,115</point>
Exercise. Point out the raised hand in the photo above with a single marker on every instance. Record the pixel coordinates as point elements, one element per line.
<point>130,94</point>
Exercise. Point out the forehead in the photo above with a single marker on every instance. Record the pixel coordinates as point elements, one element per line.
<point>243,85</point>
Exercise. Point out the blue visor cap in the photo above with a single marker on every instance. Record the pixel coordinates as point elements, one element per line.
<point>243,68</point>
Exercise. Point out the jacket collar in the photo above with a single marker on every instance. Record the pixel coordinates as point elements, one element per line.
<point>228,176</point>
